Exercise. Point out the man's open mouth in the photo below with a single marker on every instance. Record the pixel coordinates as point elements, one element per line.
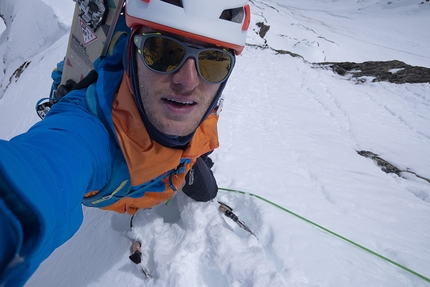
<point>180,103</point>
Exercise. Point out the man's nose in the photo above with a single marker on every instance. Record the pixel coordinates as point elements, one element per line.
<point>187,76</point>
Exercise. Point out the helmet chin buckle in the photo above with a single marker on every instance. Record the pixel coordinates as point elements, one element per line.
<point>219,105</point>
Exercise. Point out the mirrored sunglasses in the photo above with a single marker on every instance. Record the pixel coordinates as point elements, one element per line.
<point>164,54</point>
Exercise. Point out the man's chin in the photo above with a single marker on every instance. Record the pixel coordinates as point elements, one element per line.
<point>178,129</point>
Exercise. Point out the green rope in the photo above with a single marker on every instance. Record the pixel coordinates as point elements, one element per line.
<point>331,232</point>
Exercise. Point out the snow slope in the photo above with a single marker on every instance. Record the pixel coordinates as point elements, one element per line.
<point>289,133</point>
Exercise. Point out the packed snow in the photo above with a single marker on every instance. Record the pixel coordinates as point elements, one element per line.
<point>289,133</point>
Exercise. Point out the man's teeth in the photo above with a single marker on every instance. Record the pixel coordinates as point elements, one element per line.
<point>180,103</point>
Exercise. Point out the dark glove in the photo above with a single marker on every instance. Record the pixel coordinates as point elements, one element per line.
<point>200,183</point>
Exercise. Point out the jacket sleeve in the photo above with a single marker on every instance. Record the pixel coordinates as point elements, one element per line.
<point>44,174</point>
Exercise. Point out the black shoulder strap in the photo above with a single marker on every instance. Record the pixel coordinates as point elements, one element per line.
<point>44,105</point>
<point>87,81</point>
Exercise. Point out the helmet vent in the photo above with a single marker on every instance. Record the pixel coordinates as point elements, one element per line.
<point>234,15</point>
<point>174,2</point>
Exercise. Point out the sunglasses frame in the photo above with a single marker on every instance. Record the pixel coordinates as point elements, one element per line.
<point>191,51</point>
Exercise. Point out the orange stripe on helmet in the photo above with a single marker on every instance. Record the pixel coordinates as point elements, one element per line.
<point>247,20</point>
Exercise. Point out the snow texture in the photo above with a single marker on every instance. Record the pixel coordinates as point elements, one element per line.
<point>288,133</point>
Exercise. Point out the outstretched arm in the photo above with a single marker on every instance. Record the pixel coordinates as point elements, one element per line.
<point>44,174</point>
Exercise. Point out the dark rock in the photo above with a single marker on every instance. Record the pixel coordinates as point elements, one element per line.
<point>386,166</point>
<point>263,29</point>
<point>382,163</point>
<point>389,71</point>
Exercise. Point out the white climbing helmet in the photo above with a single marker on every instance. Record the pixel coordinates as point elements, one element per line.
<point>220,22</point>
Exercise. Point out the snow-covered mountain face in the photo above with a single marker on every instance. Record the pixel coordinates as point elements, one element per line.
<point>289,133</point>
<point>350,30</point>
<point>31,27</point>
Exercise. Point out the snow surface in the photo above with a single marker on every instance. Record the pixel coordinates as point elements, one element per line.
<point>289,133</point>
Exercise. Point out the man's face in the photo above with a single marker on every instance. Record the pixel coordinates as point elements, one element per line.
<point>175,103</point>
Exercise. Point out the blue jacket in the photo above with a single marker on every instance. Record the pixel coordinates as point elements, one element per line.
<point>41,186</point>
